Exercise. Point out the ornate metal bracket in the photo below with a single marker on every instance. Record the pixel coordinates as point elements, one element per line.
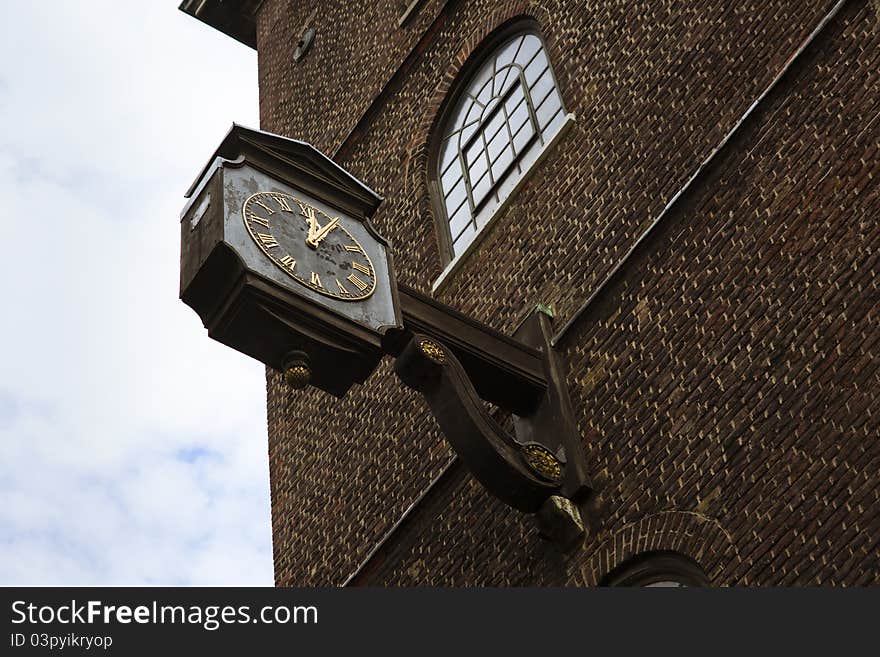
<point>540,467</point>
<point>523,476</point>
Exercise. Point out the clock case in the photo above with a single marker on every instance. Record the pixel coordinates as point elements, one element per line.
<point>244,300</point>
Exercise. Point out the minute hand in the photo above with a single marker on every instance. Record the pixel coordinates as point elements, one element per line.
<point>315,239</point>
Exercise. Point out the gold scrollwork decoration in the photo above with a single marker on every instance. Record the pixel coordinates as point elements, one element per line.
<point>433,351</point>
<point>542,461</point>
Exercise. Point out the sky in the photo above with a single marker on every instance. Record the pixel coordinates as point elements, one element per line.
<point>132,446</point>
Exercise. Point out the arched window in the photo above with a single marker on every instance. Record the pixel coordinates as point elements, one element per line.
<point>657,569</point>
<point>505,114</point>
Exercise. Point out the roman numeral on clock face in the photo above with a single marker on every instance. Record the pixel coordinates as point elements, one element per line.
<point>341,287</point>
<point>268,240</point>
<point>265,207</point>
<point>282,203</point>
<point>356,249</point>
<point>361,268</point>
<point>288,262</point>
<point>357,282</point>
<point>258,220</point>
<point>316,280</point>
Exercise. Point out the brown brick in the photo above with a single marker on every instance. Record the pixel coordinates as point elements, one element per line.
<point>738,353</point>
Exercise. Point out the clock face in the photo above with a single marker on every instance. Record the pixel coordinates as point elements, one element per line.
<point>309,245</point>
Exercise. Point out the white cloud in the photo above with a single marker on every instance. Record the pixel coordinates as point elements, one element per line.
<point>132,447</point>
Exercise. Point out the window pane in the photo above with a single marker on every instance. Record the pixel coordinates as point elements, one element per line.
<point>535,68</point>
<point>456,195</point>
<point>504,160</point>
<point>548,109</point>
<point>517,98</point>
<point>493,127</point>
<point>506,53</point>
<point>523,136</point>
<point>456,119</point>
<point>485,93</point>
<point>473,114</point>
<point>448,154</point>
<point>482,77</point>
<point>478,164</point>
<point>497,81</point>
<point>531,46</point>
<point>481,189</point>
<point>554,124</point>
<point>467,133</point>
<point>491,106</point>
<point>542,87</point>
<point>474,149</point>
<point>459,220</point>
<point>519,117</point>
<point>501,129</point>
<point>452,175</point>
<point>452,209</point>
<point>506,78</point>
<point>501,140</point>
<point>459,243</point>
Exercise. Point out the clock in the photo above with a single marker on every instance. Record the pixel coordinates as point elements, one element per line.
<point>309,245</point>
<point>281,262</point>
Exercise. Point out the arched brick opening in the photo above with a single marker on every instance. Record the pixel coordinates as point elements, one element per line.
<point>693,535</point>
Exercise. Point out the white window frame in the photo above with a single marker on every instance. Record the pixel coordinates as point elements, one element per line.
<point>525,104</point>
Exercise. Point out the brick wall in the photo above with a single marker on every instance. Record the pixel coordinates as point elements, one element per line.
<point>726,382</point>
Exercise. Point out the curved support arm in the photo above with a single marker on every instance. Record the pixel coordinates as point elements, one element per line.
<point>521,475</point>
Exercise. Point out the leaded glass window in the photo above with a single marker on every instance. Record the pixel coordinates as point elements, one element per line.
<point>508,110</point>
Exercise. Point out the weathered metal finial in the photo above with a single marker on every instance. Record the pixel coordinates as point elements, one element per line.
<point>297,371</point>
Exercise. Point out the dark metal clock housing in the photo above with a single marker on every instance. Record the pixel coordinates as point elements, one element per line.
<point>237,266</point>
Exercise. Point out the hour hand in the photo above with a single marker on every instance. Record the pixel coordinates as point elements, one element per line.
<point>309,213</point>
